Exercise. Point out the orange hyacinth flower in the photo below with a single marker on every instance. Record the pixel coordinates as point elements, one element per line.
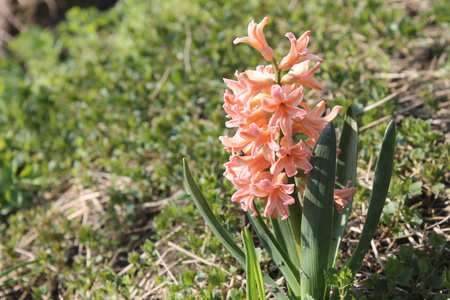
<point>343,196</point>
<point>291,157</point>
<point>298,53</point>
<point>268,109</point>
<point>277,194</point>
<point>256,39</point>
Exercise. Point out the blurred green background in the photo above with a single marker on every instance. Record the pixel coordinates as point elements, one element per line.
<point>97,111</point>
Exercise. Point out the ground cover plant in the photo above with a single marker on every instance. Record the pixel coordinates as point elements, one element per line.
<point>97,113</point>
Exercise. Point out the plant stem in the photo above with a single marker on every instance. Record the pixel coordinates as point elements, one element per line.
<point>276,71</point>
<point>296,217</point>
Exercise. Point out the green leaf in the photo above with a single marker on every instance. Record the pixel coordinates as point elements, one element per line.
<point>415,218</point>
<point>434,281</point>
<point>18,278</point>
<point>438,241</point>
<point>13,268</point>
<point>254,273</point>
<point>284,234</point>
<point>345,171</point>
<point>217,228</point>
<point>210,218</point>
<point>332,277</point>
<point>415,188</point>
<point>406,253</point>
<point>394,268</point>
<point>380,286</point>
<point>423,264</point>
<point>188,277</point>
<point>340,279</point>
<point>295,219</point>
<point>318,216</point>
<point>277,253</point>
<point>406,277</point>
<point>438,186</point>
<point>390,208</point>
<point>383,173</point>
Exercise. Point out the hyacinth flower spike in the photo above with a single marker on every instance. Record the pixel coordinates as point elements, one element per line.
<point>284,151</point>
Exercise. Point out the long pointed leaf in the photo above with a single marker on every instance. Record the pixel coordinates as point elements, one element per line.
<point>254,275</point>
<point>277,253</point>
<point>211,219</point>
<point>380,189</point>
<point>284,234</point>
<point>217,228</point>
<point>250,277</point>
<point>13,268</point>
<point>345,171</point>
<point>317,216</point>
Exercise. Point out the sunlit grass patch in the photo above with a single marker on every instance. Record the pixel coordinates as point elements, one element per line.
<point>105,105</point>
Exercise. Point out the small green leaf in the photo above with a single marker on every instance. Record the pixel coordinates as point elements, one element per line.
<point>394,268</point>
<point>434,281</point>
<point>416,218</point>
<point>332,277</point>
<point>423,264</point>
<point>340,279</point>
<point>438,241</point>
<point>415,188</point>
<point>134,258</point>
<point>406,277</point>
<point>406,253</point>
<point>188,277</point>
<point>380,285</point>
<point>390,208</point>
<point>438,186</point>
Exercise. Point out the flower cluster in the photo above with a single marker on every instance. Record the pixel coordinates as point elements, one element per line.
<point>268,111</point>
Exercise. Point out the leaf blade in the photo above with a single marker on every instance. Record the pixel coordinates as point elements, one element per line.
<point>380,189</point>
<point>284,234</point>
<point>317,215</point>
<point>210,218</point>
<point>212,221</point>
<point>277,253</point>
<point>345,171</point>
<point>254,273</point>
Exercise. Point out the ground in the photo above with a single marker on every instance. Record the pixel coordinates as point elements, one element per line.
<point>419,89</point>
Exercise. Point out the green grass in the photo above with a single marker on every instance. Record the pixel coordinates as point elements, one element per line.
<point>110,102</point>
